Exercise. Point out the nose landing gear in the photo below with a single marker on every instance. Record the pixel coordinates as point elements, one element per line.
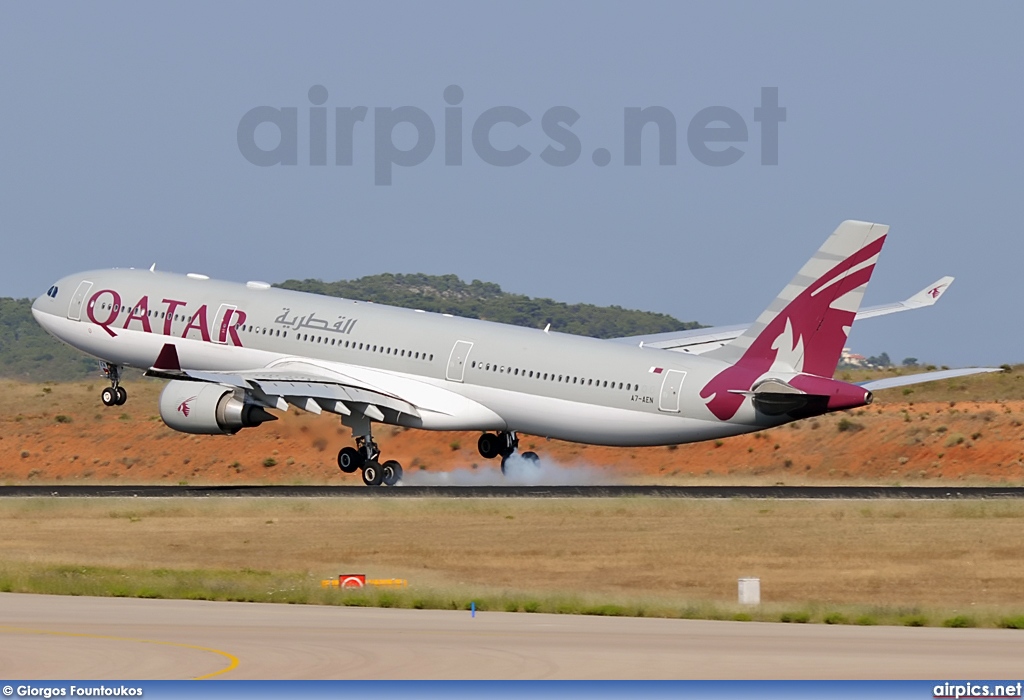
<point>115,394</point>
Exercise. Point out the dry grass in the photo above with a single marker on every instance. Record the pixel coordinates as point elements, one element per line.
<point>874,561</point>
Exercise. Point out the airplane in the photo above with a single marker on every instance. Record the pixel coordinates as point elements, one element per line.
<point>233,352</point>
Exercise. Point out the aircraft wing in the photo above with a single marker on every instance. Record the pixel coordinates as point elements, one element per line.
<point>315,388</point>
<point>701,340</point>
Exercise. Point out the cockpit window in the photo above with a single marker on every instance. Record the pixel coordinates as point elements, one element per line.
<point>52,292</point>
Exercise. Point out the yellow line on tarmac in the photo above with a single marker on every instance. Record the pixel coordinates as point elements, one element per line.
<point>230,657</point>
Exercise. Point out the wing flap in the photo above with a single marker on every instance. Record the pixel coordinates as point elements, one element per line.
<point>280,387</point>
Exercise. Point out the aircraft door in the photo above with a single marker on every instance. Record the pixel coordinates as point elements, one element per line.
<point>221,322</point>
<point>670,389</point>
<point>77,299</point>
<point>457,361</point>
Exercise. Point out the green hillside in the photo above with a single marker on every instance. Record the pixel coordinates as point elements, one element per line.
<point>29,353</point>
<point>450,295</point>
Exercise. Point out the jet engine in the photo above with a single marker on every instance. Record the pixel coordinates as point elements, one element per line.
<point>209,409</point>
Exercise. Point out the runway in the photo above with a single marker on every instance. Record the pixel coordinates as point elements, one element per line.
<point>55,637</point>
<point>575,491</point>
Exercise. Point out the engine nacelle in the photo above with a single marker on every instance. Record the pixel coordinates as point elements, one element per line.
<point>208,409</point>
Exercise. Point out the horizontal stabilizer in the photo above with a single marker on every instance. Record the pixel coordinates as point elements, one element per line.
<point>908,379</point>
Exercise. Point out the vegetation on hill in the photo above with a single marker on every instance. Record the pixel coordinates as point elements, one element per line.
<point>27,352</point>
<point>450,295</point>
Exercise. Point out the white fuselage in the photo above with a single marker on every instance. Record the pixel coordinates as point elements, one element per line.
<point>468,374</point>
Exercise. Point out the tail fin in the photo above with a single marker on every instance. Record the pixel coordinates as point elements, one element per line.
<point>805,328</point>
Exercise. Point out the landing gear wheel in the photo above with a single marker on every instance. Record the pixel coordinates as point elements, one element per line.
<point>350,459</point>
<point>392,472</point>
<point>109,396</point>
<point>373,474</point>
<point>122,396</point>
<point>531,457</point>
<point>504,460</point>
<point>489,445</point>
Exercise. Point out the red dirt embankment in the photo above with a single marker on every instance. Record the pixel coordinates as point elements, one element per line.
<point>61,433</point>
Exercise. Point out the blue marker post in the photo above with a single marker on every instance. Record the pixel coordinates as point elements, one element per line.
<point>472,609</point>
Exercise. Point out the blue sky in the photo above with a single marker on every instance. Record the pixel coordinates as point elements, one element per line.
<point>119,142</point>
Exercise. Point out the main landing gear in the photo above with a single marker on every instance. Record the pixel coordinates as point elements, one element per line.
<point>366,456</point>
<point>115,394</point>
<point>503,444</point>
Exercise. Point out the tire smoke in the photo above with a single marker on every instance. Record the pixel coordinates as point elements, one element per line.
<point>518,472</point>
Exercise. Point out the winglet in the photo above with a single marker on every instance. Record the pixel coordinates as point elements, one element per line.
<point>930,294</point>
<point>167,360</point>
<point>926,297</point>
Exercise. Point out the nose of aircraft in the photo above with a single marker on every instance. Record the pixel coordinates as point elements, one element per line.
<point>46,302</point>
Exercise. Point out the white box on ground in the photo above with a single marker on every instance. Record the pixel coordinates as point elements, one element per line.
<point>750,591</point>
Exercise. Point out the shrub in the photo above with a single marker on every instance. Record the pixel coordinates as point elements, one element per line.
<point>959,621</point>
<point>916,620</point>
<point>269,462</point>
<point>797,617</point>
<point>835,618</point>
<point>1012,623</point>
<point>846,425</point>
<point>61,418</point>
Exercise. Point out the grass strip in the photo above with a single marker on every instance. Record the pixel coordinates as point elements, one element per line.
<point>255,586</point>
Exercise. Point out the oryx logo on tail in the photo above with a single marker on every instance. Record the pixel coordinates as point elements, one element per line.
<point>805,328</point>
